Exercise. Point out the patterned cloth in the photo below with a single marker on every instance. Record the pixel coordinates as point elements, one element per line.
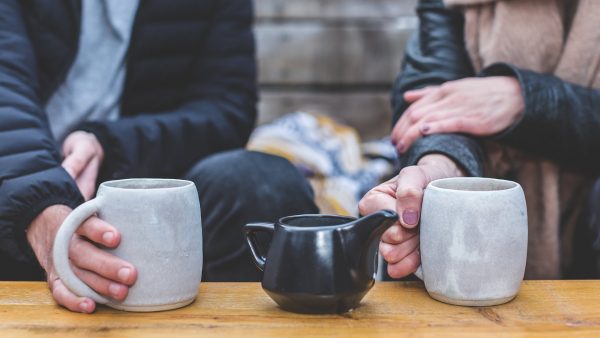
<point>340,169</point>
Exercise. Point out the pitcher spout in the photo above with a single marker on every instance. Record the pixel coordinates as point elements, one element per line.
<point>362,238</point>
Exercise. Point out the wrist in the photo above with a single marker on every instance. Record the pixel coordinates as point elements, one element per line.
<point>42,230</point>
<point>445,163</point>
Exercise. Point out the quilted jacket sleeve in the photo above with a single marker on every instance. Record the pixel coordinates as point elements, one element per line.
<point>219,114</point>
<point>31,177</point>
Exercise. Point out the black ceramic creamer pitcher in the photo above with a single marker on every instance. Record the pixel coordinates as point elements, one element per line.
<point>320,263</point>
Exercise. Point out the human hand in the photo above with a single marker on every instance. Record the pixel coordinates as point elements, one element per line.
<point>83,158</point>
<point>399,244</point>
<point>477,106</point>
<point>103,272</point>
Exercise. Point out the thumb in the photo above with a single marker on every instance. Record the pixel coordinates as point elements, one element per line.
<point>409,195</point>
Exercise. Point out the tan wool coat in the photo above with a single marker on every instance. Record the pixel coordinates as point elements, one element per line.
<point>538,35</point>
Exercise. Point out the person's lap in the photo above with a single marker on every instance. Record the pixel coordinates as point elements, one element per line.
<point>238,187</point>
<point>586,248</point>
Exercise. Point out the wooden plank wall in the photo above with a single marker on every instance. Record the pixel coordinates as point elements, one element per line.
<point>338,57</point>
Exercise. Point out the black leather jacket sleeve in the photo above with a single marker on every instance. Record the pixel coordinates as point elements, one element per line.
<point>31,177</point>
<point>218,114</point>
<point>436,54</point>
<point>561,120</point>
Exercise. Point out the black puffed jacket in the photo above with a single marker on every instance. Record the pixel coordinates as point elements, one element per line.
<point>561,120</point>
<point>189,91</point>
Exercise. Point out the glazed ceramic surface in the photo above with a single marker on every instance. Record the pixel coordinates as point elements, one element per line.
<point>473,240</point>
<point>161,235</point>
<point>320,263</point>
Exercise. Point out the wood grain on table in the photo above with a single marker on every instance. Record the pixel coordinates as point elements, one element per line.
<point>391,309</point>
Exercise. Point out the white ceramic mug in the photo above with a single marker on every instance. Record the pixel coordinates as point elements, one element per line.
<point>473,240</point>
<point>161,235</point>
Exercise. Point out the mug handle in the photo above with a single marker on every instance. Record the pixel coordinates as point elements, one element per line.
<point>60,252</point>
<point>419,272</point>
<point>250,230</point>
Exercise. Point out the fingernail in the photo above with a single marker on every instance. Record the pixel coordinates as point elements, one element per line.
<point>108,237</point>
<point>410,217</point>
<point>124,274</point>
<point>85,306</point>
<point>401,147</point>
<point>114,289</point>
<point>424,129</point>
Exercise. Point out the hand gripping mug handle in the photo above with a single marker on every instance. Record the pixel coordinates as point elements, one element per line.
<point>60,252</point>
<point>250,230</point>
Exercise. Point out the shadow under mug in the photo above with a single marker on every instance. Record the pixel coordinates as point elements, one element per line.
<point>473,240</point>
<point>161,235</point>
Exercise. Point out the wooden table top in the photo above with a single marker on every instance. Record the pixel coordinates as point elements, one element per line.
<point>391,309</point>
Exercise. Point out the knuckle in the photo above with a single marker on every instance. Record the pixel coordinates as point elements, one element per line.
<point>407,171</point>
<point>76,162</point>
<point>362,205</point>
<point>394,272</point>
<point>455,99</point>
<point>413,116</point>
<point>105,268</point>
<point>395,234</point>
<point>75,249</point>
<point>409,192</point>
<point>446,87</point>
<point>89,228</point>
<point>57,295</point>
<point>413,261</point>
<point>388,254</point>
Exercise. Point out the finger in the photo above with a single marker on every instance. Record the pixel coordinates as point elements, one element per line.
<point>102,285</point>
<point>86,256</point>
<point>409,195</point>
<point>396,234</point>
<point>405,121</point>
<point>406,266</point>
<point>394,253</point>
<point>452,125</point>
<point>416,94</point>
<point>66,298</point>
<point>420,128</point>
<point>424,125</point>
<point>429,110</point>
<point>100,232</point>
<point>86,181</point>
<point>410,136</point>
<point>434,96</point>
<point>382,197</point>
<point>76,162</point>
<point>397,131</point>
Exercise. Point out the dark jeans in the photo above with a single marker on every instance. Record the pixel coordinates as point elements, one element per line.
<point>586,246</point>
<point>239,187</point>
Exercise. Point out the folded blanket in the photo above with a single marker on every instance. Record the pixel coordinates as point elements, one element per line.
<point>340,169</point>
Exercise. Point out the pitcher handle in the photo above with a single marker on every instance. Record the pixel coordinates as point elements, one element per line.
<point>60,252</point>
<point>250,230</point>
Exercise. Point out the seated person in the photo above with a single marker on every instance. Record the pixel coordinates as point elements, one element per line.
<point>101,90</point>
<point>506,89</point>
